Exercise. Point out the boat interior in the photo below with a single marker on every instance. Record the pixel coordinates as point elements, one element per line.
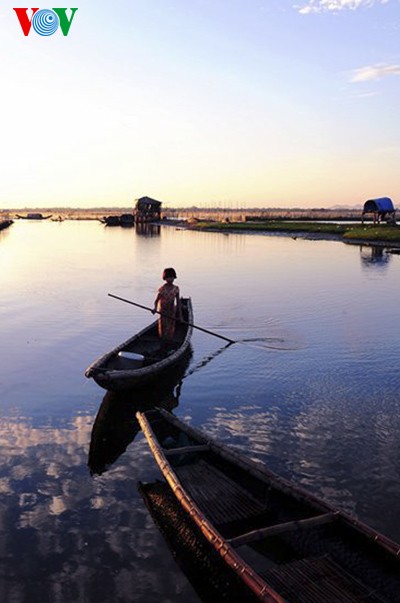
<point>148,347</point>
<point>305,550</point>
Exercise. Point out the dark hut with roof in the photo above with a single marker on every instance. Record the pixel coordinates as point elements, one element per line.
<point>381,209</point>
<point>147,210</point>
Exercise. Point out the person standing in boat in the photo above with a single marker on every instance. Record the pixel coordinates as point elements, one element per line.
<point>168,304</point>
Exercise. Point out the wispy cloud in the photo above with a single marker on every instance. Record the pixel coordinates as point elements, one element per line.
<point>374,72</point>
<point>363,95</point>
<point>322,6</point>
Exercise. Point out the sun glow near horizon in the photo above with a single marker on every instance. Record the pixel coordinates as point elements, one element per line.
<point>210,105</point>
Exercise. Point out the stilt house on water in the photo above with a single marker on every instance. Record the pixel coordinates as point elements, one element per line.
<point>381,209</point>
<point>147,210</point>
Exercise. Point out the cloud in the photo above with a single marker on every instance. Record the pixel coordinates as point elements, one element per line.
<point>321,6</point>
<point>374,72</point>
<point>366,94</point>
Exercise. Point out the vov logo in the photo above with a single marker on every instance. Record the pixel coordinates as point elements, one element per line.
<point>46,21</point>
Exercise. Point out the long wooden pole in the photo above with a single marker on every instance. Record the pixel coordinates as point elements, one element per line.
<point>173,318</point>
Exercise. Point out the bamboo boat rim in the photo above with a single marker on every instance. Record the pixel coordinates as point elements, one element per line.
<point>259,587</point>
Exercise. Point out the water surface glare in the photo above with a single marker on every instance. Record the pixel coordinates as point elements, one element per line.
<point>311,387</point>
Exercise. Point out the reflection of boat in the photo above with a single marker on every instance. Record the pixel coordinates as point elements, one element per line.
<point>34,216</point>
<point>5,224</point>
<point>199,561</point>
<point>143,357</point>
<point>116,426</point>
<point>284,543</point>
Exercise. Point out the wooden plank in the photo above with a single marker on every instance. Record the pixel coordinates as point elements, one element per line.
<point>184,449</point>
<point>280,528</point>
<point>219,497</point>
<point>319,579</point>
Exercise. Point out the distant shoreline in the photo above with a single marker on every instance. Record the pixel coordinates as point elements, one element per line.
<point>308,236</point>
<point>313,225</point>
<point>196,213</point>
<point>381,235</point>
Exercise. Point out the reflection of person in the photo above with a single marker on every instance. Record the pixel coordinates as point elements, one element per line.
<point>168,304</point>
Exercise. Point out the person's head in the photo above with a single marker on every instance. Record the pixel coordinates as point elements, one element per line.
<point>169,274</point>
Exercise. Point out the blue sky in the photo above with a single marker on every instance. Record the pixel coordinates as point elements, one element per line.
<point>199,102</point>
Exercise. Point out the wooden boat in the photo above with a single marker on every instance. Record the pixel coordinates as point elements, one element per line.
<point>143,357</point>
<point>198,560</point>
<point>127,220</point>
<point>286,545</point>
<point>110,220</point>
<point>34,216</point>
<point>122,220</point>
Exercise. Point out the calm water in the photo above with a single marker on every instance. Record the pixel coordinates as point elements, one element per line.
<point>314,391</point>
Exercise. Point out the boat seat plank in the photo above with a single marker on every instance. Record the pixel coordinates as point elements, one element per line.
<point>280,528</point>
<point>318,579</point>
<point>220,498</point>
<point>184,449</point>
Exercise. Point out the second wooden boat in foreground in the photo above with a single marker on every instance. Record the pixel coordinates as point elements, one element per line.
<point>287,545</point>
<point>143,357</point>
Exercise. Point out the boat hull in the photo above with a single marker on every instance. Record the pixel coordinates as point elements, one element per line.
<point>112,372</point>
<point>34,217</point>
<point>283,542</point>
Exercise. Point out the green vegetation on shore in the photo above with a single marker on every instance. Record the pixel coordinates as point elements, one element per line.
<point>372,232</point>
<point>348,232</point>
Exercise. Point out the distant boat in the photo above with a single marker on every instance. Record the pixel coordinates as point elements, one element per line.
<point>127,220</point>
<point>34,216</point>
<point>286,545</point>
<point>110,220</point>
<point>122,220</point>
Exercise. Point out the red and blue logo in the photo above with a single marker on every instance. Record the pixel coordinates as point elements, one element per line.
<point>45,21</point>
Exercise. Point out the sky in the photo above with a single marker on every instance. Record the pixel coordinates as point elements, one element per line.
<point>223,103</point>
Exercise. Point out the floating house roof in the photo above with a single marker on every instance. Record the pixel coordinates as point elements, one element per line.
<point>147,203</point>
<point>380,204</point>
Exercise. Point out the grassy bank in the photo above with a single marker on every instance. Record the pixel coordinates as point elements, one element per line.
<point>381,233</point>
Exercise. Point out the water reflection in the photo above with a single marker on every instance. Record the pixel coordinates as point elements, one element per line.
<point>147,229</point>
<point>374,256</point>
<point>67,538</point>
<point>116,426</point>
<point>326,413</point>
<point>4,232</point>
<point>207,359</point>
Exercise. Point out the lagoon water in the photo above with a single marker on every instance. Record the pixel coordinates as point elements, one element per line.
<point>311,388</point>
